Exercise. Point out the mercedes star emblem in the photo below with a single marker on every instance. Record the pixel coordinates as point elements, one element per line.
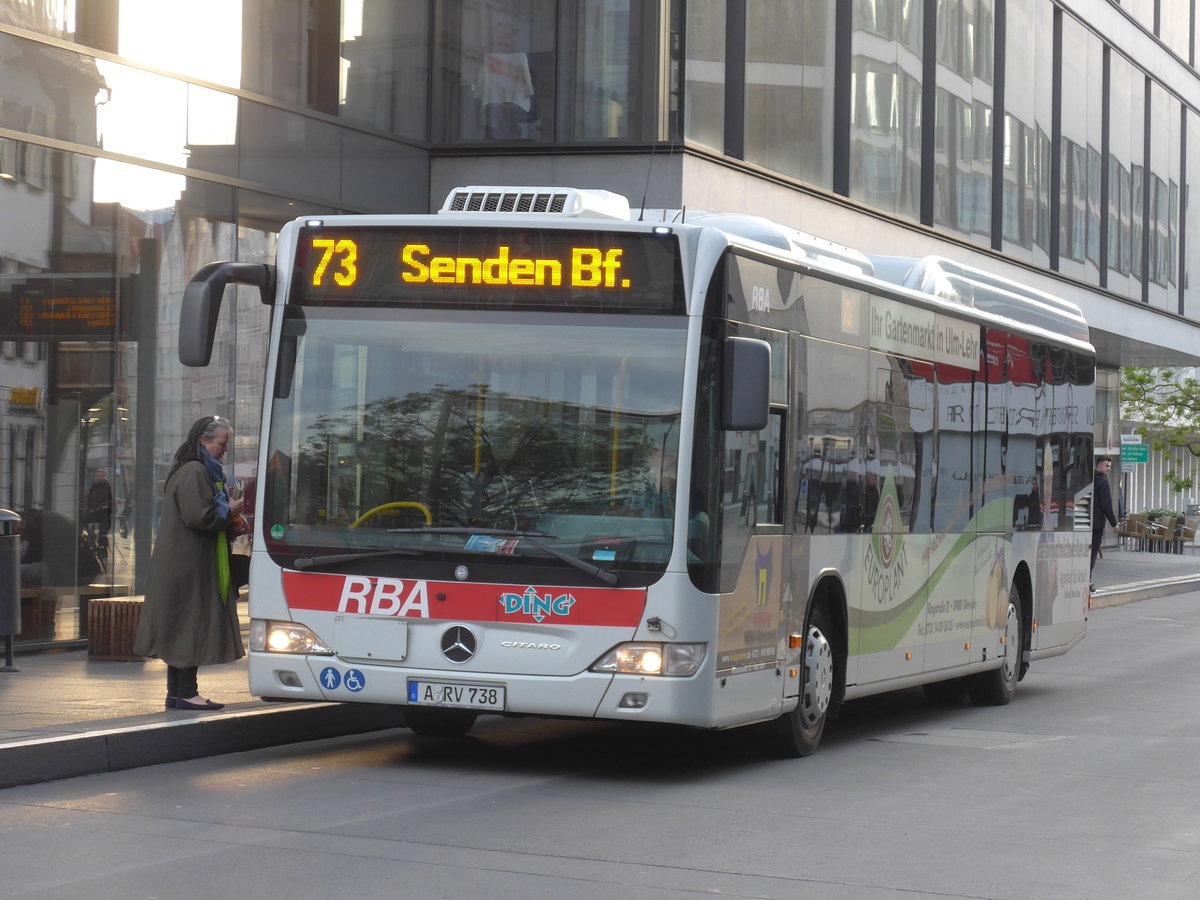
<point>458,644</point>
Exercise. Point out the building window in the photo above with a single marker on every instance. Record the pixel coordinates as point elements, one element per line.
<point>498,71</point>
<point>789,89</point>
<point>1175,26</point>
<point>1126,148</point>
<point>384,66</point>
<point>1163,212</point>
<point>1028,63</point>
<point>610,69</point>
<point>704,71</point>
<point>545,71</point>
<point>1191,247</point>
<point>1082,124</point>
<point>1142,11</point>
<point>885,106</point>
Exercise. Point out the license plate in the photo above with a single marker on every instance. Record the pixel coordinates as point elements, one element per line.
<point>462,696</point>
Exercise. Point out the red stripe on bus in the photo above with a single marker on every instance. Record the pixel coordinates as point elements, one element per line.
<point>418,599</point>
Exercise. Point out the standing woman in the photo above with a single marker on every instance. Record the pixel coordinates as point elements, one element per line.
<point>190,616</point>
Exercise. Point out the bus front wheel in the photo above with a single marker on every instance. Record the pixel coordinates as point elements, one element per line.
<point>799,732</point>
<point>446,723</point>
<point>996,687</point>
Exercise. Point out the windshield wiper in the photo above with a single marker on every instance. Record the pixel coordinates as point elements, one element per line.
<point>333,559</point>
<point>531,536</point>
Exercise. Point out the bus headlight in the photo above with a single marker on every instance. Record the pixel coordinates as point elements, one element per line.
<point>652,658</point>
<point>285,637</point>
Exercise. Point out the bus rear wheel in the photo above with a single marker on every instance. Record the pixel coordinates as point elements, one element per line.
<point>446,723</point>
<point>799,732</point>
<point>996,687</point>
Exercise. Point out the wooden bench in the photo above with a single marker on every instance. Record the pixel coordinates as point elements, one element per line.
<point>39,606</point>
<point>86,593</point>
<point>112,624</point>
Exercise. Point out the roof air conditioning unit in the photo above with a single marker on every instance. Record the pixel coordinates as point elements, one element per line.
<point>554,201</point>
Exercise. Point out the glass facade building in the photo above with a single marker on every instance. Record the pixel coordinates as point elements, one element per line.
<point>139,140</point>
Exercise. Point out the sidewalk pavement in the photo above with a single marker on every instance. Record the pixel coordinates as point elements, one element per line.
<point>63,715</point>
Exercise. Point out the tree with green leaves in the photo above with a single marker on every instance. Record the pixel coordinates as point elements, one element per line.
<point>1164,405</point>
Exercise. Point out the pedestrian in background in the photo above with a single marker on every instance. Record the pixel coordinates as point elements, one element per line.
<point>190,615</point>
<point>99,511</point>
<point>1102,508</point>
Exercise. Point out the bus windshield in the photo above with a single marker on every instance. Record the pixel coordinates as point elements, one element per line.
<point>510,439</point>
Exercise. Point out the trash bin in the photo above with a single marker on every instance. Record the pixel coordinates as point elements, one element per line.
<point>10,572</point>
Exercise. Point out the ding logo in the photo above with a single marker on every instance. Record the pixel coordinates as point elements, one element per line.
<point>536,605</point>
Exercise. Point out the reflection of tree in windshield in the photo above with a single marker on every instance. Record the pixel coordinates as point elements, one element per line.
<point>473,456</point>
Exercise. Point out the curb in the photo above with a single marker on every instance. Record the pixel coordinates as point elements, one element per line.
<point>1120,594</point>
<point>41,759</point>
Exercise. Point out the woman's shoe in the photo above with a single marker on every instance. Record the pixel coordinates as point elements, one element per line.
<point>207,704</point>
<point>171,701</point>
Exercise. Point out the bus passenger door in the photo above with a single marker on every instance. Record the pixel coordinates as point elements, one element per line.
<point>952,593</point>
<point>753,549</point>
<point>890,586</point>
<point>994,513</point>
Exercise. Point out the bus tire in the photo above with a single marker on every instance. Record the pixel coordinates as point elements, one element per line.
<point>444,723</point>
<point>996,687</point>
<point>798,732</point>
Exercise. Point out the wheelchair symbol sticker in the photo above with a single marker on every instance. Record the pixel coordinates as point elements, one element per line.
<point>331,678</point>
<point>355,681</point>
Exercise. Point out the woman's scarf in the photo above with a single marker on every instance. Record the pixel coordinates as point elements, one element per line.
<point>216,474</point>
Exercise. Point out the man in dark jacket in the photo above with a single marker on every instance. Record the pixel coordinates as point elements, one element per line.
<point>99,511</point>
<point>1102,507</point>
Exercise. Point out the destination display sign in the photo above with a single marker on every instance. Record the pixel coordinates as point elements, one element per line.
<point>511,268</point>
<point>75,307</point>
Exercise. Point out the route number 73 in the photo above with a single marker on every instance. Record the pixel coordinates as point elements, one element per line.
<point>346,251</point>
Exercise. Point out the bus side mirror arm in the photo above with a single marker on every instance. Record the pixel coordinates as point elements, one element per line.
<point>745,395</point>
<point>202,304</point>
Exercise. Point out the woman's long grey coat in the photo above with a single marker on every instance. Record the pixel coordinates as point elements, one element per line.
<point>184,622</point>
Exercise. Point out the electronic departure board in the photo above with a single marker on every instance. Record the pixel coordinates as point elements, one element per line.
<point>64,307</point>
<point>508,268</point>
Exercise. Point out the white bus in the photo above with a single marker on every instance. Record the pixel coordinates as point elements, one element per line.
<point>537,455</point>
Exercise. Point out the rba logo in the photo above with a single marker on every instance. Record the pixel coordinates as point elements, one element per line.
<point>384,597</point>
<point>759,299</point>
<point>531,603</point>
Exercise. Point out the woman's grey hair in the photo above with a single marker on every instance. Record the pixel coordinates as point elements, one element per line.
<point>205,427</point>
<point>214,424</point>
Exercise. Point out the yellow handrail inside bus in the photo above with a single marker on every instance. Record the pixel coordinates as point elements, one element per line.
<point>614,464</point>
<point>395,504</point>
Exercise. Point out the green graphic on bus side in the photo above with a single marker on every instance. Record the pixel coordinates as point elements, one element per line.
<point>885,629</point>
